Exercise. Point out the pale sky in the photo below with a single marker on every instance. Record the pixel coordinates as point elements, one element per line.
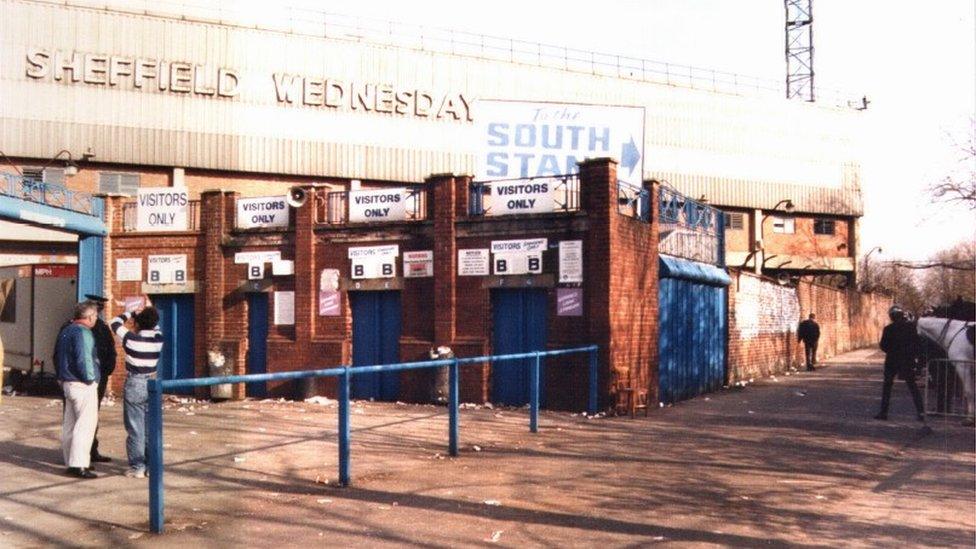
<point>914,60</point>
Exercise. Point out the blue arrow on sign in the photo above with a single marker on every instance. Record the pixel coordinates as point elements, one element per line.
<point>630,156</point>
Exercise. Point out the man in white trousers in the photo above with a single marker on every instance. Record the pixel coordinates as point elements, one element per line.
<point>77,361</point>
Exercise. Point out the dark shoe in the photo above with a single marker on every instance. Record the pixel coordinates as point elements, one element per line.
<point>810,368</point>
<point>99,458</point>
<point>881,416</point>
<point>81,473</point>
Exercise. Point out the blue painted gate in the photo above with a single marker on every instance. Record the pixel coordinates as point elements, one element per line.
<point>693,327</point>
<point>257,342</point>
<point>176,322</point>
<point>519,320</point>
<point>375,340</point>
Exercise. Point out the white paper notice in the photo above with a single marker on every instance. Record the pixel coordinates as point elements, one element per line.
<point>284,308</point>
<point>473,262</point>
<point>571,261</point>
<point>128,269</point>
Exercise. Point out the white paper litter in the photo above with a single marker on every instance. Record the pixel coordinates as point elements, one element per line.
<point>239,459</point>
<point>492,502</point>
<point>495,536</point>
<point>323,500</point>
<point>320,400</point>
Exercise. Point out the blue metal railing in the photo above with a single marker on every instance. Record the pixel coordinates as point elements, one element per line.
<point>49,194</point>
<point>154,413</point>
<point>690,229</point>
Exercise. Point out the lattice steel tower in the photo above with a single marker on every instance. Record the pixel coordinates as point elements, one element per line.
<point>799,49</point>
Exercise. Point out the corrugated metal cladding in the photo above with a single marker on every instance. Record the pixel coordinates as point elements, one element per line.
<point>738,151</point>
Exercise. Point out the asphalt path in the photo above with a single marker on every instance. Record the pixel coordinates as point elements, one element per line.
<point>794,460</point>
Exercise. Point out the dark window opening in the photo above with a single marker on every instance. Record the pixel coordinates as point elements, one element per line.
<point>823,226</point>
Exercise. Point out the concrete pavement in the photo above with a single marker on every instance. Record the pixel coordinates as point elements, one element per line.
<point>788,461</point>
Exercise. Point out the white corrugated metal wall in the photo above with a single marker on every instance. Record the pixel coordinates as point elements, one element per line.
<point>735,150</point>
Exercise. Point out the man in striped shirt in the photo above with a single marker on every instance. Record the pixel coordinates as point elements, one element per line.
<point>142,348</point>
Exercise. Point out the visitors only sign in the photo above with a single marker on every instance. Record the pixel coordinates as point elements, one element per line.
<point>378,205</point>
<point>373,261</point>
<point>518,140</point>
<point>262,212</point>
<point>162,209</point>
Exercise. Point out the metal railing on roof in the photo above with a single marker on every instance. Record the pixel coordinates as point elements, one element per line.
<point>49,194</point>
<point>690,229</point>
<point>312,22</point>
<point>564,193</point>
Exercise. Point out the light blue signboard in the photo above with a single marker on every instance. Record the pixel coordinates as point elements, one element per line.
<point>518,140</point>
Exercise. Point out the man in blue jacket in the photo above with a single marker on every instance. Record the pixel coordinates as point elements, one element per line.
<point>78,372</point>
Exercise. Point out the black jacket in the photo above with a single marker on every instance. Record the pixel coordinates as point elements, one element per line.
<point>808,332</point>
<point>105,347</point>
<point>901,345</point>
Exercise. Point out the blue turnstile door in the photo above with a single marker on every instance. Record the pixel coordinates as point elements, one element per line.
<point>375,340</point>
<point>257,342</point>
<point>176,323</point>
<point>519,320</point>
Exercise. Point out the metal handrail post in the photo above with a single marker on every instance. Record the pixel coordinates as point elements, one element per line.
<point>453,405</point>
<point>154,432</point>
<point>534,394</point>
<point>344,428</point>
<point>591,404</point>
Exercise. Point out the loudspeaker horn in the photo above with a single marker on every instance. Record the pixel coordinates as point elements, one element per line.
<point>296,197</point>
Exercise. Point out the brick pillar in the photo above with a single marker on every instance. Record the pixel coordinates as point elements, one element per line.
<point>444,189</point>
<point>651,291</point>
<point>306,283</point>
<point>599,200</point>
<point>210,277</point>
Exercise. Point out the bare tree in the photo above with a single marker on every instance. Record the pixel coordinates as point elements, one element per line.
<point>946,282</point>
<point>959,186</point>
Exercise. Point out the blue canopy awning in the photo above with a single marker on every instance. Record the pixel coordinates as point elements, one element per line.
<point>672,267</point>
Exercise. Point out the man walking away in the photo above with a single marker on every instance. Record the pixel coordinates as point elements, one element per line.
<point>142,348</point>
<point>809,333</point>
<point>78,374</point>
<point>900,342</point>
<point>105,348</point>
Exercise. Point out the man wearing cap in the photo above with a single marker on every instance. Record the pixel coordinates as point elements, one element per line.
<point>105,348</point>
<point>900,342</point>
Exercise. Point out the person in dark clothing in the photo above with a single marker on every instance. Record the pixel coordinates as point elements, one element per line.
<point>105,347</point>
<point>809,333</point>
<point>901,344</point>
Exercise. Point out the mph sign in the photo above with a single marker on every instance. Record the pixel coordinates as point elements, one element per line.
<point>518,140</point>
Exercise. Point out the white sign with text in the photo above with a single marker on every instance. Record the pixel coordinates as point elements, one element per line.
<point>128,269</point>
<point>162,209</point>
<point>571,261</point>
<point>418,264</point>
<point>262,212</point>
<point>166,269</point>
<point>377,205</point>
<point>473,262</point>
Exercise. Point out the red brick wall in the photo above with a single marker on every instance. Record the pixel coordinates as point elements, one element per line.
<point>442,310</point>
<point>763,317</point>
